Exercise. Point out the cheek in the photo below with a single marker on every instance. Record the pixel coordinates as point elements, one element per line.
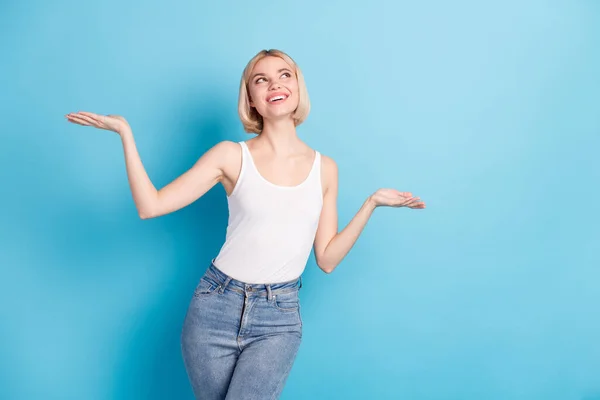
<point>294,89</point>
<point>296,96</point>
<point>254,94</point>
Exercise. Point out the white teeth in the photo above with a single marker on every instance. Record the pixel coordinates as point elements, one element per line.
<point>277,98</point>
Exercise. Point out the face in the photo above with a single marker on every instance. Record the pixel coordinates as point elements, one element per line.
<point>273,88</point>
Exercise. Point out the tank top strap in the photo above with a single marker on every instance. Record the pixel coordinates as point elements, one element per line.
<point>244,150</point>
<point>318,162</point>
<point>248,163</point>
<point>244,167</point>
<point>316,172</point>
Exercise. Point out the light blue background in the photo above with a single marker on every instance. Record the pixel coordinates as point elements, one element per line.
<point>488,112</point>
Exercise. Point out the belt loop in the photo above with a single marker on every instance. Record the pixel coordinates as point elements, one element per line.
<point>269,292</point>
<point>224,285</point>
<point>300,287</point>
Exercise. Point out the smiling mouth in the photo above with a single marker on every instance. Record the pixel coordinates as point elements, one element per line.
<point>278,99</point>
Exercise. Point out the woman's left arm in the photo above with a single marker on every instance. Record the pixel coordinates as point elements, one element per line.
<point>330,246</point>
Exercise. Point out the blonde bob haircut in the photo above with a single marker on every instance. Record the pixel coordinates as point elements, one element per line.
<point>251,119</point>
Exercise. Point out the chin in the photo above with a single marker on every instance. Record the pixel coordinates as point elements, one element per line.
<point>279,115</point>
<point>283,116</point>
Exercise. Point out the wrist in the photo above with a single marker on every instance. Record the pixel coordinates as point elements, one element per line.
<point>370,203</point>
<point>124,132</point>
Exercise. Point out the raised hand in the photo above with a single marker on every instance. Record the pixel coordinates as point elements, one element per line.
<point>395,198</point>
<point>114,123</point>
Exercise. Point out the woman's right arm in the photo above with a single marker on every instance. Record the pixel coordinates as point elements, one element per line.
<point>182,191</point>
<point>187,188</point>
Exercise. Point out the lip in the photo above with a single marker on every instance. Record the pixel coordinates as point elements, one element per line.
<point>269,97</point>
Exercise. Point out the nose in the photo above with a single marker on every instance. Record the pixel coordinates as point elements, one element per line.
<point>275,85</point>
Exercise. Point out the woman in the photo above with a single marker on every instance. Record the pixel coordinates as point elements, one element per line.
<point>243,327</point>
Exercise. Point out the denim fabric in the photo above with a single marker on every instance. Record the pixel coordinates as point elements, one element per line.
<point>239,340</point>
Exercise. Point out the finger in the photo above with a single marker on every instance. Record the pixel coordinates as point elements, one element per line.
<point>78,121</point>
<point>92,117</point>
<point>411,201</point>
<point>399,202</point>
<point>404,194</point>
<point>87,114</point>
<point>91,120</point>
<point>90,114</point>
<point>417,205</point>
<point>76,117</point>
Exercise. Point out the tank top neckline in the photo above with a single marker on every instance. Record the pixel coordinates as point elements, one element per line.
<point>255,168</point>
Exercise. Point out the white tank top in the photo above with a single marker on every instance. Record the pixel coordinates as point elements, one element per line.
<point>271,228</point>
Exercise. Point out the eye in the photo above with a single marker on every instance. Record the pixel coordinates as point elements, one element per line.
<point>258,80</point>
<point>286,74</point>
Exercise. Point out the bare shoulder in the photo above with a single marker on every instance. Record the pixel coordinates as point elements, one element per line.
<point>227,148</point>
<point>225,152</point>
<point>329,164</point>
<point>329,172</point>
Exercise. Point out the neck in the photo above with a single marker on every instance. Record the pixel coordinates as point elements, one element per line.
<point>280,136</point>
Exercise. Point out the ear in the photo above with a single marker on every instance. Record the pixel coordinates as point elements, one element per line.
<point>250,101</point>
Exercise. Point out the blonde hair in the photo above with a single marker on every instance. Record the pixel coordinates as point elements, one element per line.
<point>251,119</point>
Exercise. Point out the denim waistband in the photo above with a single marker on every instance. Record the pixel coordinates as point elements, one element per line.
<point>227,281</point>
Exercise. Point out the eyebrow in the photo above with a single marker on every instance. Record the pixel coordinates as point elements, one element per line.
<point>262,73</point>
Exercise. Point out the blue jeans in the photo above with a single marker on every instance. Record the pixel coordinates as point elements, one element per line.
<point>239,340</point>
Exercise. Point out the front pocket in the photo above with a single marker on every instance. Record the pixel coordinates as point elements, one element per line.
<point>286,301</point>
<point>205,288</point>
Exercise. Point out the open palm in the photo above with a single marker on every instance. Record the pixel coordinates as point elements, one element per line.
<point>395,198</point>
<point>114,123</point>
